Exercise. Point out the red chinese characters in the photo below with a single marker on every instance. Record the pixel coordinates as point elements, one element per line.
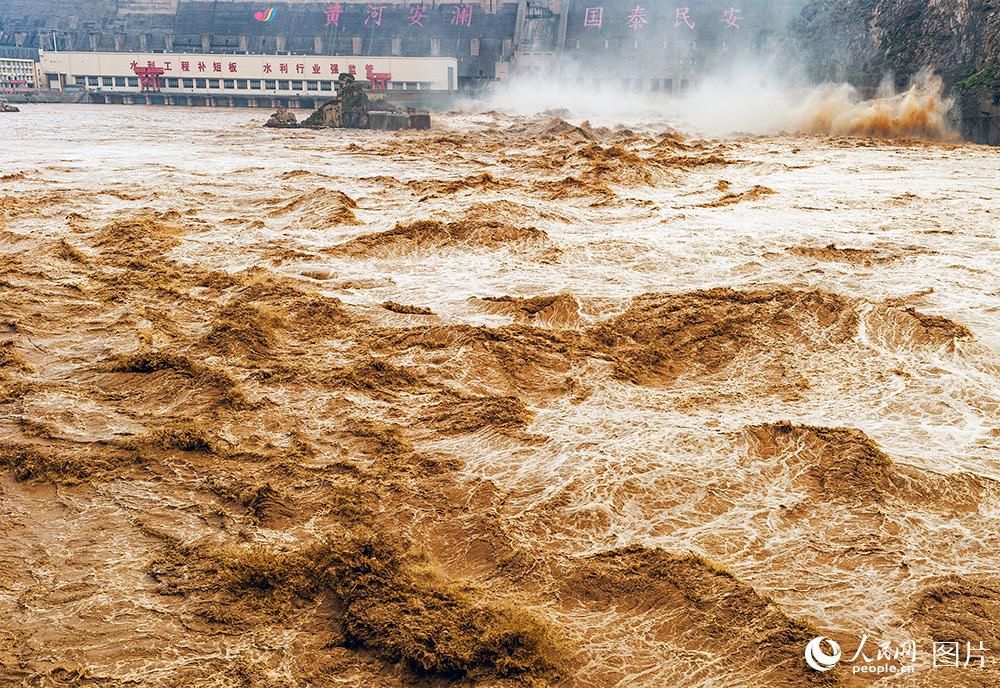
<point>374,15</point>
<point>217,67</point>
<point>267,67</point>
<point>636,18</point>
<point>683,15</point>
<point>201,66</point>
<point>461,15</point>
<point>417,14</point>
<point>333,13</point>
<point>593,17</point>
<point>185,66</point>
<point>232,67</point>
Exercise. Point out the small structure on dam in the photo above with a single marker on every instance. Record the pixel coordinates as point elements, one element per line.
<point>5,107</point>
<point>352,109</point>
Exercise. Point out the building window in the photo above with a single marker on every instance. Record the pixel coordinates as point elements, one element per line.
<point>94,81</point>
<point>668,85</point>
<point>270,85</point>
<point>120,81</point>
<point>173,83</point>
<point>189,83</point>
<point>325,86</point>
<point>241,84</point>
<point>133,81</point>
<point>199,83</point>
<point>255,84</point>
<point>312,85</point>
<point>107,81</point>
<point>229,83</point>
<point>213,83</point>
<point>296,85</point>
<point>656,85</point>
<point>282,85</point>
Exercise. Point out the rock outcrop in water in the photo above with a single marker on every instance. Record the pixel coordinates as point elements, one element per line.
<point>282,119</point>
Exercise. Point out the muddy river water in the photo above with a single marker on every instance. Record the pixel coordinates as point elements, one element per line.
<point>515,399</point>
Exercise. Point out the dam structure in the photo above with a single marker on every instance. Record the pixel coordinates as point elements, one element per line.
<point>96,44</point>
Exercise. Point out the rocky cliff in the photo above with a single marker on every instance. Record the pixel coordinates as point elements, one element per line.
<point>863,40</point>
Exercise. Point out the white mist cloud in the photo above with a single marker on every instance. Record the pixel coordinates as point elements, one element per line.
<point>748,100</point>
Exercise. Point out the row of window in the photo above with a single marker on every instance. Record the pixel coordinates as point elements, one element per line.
<point>679,46</point>
<point>119,81</point>
<point>758,44</point>
<point>637,85</point>
<point>237,84</point>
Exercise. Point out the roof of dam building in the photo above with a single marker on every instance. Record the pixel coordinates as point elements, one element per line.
<point>14,53</point>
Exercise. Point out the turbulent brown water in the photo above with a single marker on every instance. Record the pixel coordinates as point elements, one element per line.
<point>510,401</point>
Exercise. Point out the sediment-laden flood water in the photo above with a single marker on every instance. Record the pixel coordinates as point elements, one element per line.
<point>513,400</point>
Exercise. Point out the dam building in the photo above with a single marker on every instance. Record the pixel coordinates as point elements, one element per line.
<point>18,69</point>
<point>666,45</point>
<point>235,79</point>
